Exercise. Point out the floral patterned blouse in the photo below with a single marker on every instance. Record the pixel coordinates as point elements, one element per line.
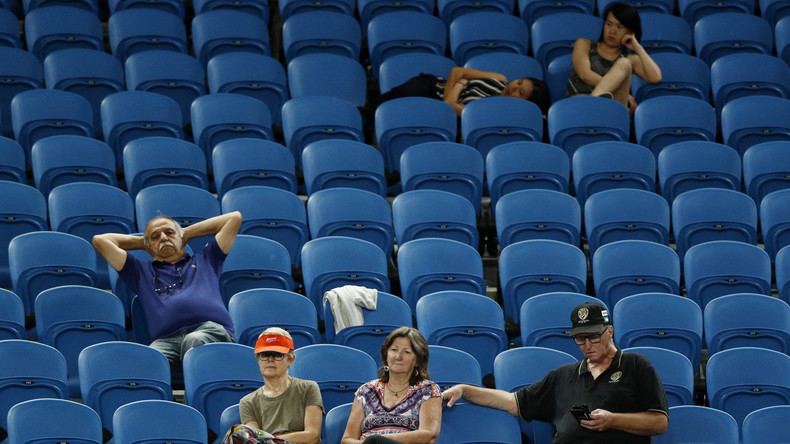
<point>402,417</point>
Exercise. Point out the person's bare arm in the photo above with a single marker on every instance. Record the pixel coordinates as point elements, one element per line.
<point>581,62</point>
<point>112,247</point>
<point>494,398</point>
<point>312,427</point>
<point>640,423</point>
<point>642,64</point>
<point>225,227</point>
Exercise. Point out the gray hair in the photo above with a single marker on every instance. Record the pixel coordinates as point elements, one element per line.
<point>178,226</point>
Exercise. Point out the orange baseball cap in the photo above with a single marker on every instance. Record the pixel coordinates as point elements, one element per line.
<point>276,343</point>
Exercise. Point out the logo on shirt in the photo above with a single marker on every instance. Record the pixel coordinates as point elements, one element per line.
<point>616,376</point>
<point>583,313</point>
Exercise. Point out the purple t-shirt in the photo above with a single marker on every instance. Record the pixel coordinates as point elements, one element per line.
<point>188,290</point>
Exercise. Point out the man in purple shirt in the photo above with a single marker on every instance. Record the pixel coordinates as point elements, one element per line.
<point>179,293</point>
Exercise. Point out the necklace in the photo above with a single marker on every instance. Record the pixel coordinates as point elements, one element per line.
<point>397,394</point>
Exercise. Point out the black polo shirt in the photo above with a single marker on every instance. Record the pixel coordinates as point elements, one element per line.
<point>629,385</point>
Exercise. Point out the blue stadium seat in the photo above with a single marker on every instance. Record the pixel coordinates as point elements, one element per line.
<point>334,163</point>
<point>351,212</point>
<point>782,277</point>
<point>230,417</point>
<point>662,31</point>
<point>513,66</point>
<point>247,162</point>
<point>155,420</point>
<point>319,31</point>
<point>765,425</point>
<point>419,214</point>
<point>157,160</point>
<point>429,265</point>
<point>681,75</point>
<point>12,161</point>
<point>59,27</point>
<point>271,213</point>
<point>538,214</point>
<point>782,38</point>
<point>482,32</point>
<point>518,166</point>
<point>401,67</point>
<point>581,120</point>
<point>693,10</point>
<point>601,166</point>
<point>291,7</point>
<point>531,10</point>
<point>133,30</point>
<point>10,35</point>
<point>690,165</point>
<point>252,314</point>
<point>773,10</point>
<point>494,121</point>
<point>553,35</point>
<point>660,320</point>
<point>407,121</point>
<point>534,267</point>
<point>766,168</point>
<point>729,78</point>
<point>175,7</point>
<point>747,121</point>
<point>762,321</point>
<point>59,160</point>
<point>342,77</point>
<point>71,422</point>
<point>718,268</point>
<point>255,262</point>
<point>211,388</point>
<point>625,214</point>
<point>88,5</point>
<point>628,267</point>
<point>694,423</point>
<point>22,71</point>
<point>254,75</point>
<point>451,366</point>
<point>24,209</point>
<point>226,30</point>
<point>466,321</point>
<point>335,422</point>
<point>404,32</point>
<point>708,214</point>
<point>663,120</point>
<point>724,33</point>
<point>449,10</point>
<point>665,6</point>
<point>257,8</point>
<point>775,221</point>
<point>72,317</point>
<point>471,421</point>
<point>372,9</point>
<point>12,319</point>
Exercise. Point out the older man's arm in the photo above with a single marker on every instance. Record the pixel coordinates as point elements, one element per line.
<point>112,247</point>
<point>640,423</point>
<point>225,227</point>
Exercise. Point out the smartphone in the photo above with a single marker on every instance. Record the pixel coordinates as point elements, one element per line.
<point>580,412</point>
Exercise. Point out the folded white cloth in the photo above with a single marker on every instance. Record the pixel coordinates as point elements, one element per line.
<point>347,303</point>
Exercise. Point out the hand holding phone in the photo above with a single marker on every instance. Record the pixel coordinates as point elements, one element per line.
<point>581,412</point>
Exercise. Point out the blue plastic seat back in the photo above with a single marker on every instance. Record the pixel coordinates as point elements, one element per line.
<point>12,320</point>
<point>134,30</point>
<point>155,420</point>
<point>720,34</point>
<point>371,9</point>
<point>625,214</point>
<point>152,161</point>
<point>45,259</point>
<point>391,312</point>
<point>604,166</point>
<point>664,32</point>
<point>407,121</point>
<point>709,214</point>
<point>582,120</point>
<point>130,115</point>
<point>782,37</point>
<point>10,35</point>
<point>72,422</point>
<point>765,169</point>
<point>775,221</point>
<point>750,120</point>
<point>538,214</point>
<point>446,166</point>
<point>628,267</point>
<point>24,209</point>
<point>718,268</point>
<point>255,262</point>
<point>211,388</point>
<point>690,165</point>
<point>291,7</point>
<point>334,261</point>
<point>419,214</point>
<point>258,8</point>
<point>511,65</point>
<point>782,276</point>
<point>116,373</point>
<point>227,30</point>
<point>763,321</point>
<point>485,31</point>
<point>271,213</point>
<point>675,371</point>
<point>88,5</point>
<point>174,7</point>
<point>64,159</point>
<point>449,10</point>
<point>342,77</point>
<point>343,164</point>
<point>544,321</point>
<point>531,10</point>
<point>661,320</point>
<point>432,264</point>
<point>681,75</point>
<point>183,203</point>
<point>56,27</point>
<point>466,321</point>
<point>338,370</point>
<point>494,121</point>
<point>665,120</point>
<point>223,116</point>
<point>335,422</point>
<point>230,417</point>
<point>744,379</point>
<point>253,162</point>
<point>516,166</point>
<point>401,67</point>
<point>252,314</point>
<point>730,80</point>
<point>12,161</point>
<point>404,32</point>
<point>472,422</point>
<point>353,213</point>
<point>553,34</point>
<point>533,267</point>
<point>765,425</point>
<point>694,423</point>
<point>326,32</point>
<point>451,366</point>
<point>24,71</point>
<point>72,317</point>
<point>694,10</point>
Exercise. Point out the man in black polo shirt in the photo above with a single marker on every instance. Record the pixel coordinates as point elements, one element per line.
<point>624,394</point>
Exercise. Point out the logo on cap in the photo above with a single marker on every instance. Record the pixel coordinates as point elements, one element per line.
<point>583,313</point>
<point>271,340</point>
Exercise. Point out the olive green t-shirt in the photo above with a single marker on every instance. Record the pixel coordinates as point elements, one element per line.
<point>283,413</point>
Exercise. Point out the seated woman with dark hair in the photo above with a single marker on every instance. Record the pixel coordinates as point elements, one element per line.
<point>604,68</point>
<point>403,405</point>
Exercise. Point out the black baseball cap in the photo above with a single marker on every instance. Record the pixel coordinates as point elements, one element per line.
<point>588,318</point>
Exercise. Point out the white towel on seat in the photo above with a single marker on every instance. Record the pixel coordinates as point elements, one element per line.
<point>347,303</point>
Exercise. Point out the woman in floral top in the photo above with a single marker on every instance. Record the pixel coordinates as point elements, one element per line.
<point>403,405</point>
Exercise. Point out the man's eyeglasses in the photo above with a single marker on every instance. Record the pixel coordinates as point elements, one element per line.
<point>264,356</point>
<point>594,338</point>
<point>164,289</point>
